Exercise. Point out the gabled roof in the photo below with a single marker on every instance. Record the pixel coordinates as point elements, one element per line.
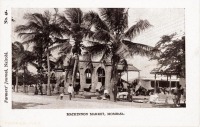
<point>130,67</point>
<point>120,66</point>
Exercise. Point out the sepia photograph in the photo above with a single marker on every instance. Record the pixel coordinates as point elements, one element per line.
<point>98,63</point>
<point>66,58</point>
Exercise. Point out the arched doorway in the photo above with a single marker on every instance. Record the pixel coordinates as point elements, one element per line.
<point>77,77</point>
<point>101,75</point>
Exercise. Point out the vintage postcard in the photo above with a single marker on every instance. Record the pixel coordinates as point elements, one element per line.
<point>111,63</point>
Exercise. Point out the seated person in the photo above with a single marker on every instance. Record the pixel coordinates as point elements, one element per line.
<point>122,94</point>
<point>88,89</point>
<point>106,95</point>
<point>98,87</point>
<point>153,98</point>
<point>77,88</point>
<point>61,96</point>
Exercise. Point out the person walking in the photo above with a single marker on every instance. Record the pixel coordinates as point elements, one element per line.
<point>70,91</point>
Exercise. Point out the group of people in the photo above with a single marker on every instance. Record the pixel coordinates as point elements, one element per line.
<point>176,95</point>
<point>119,91</point>
<point>70,90</point>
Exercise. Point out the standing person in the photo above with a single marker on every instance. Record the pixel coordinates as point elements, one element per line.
<point>179,92</point>
<point>70,91</point>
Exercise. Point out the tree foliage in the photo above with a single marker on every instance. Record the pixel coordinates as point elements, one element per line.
<point>172,54</point>
<point>112,38</point>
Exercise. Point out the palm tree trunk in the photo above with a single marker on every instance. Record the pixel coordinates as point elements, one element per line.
<point>24,90</point>
<point>16,85</point>
<point>66,77</point>
<point>48,82</point>
<point>114,80</point>
<point>39,83</point>
<point>75,69</point>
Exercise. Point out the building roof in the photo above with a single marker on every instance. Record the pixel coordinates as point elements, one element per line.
<point>161,72</point>
<point>120,66</point>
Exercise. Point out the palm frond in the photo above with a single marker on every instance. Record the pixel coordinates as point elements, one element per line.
<point>30,17</point>
<point>74,15</point>
<point>102,36</point>
<point>139,49</point>
<point>64,47</point>
<point>40,18</point>
<point>30,26</point>
<point>87,32</point>
<point>92,19</point>
<point>47,15</point>
<point>29,41</point>
<point>27,36</point>
<point>67,48</point>
<point>90,43</point>
<point>59,40</point>
<point>116,18</point>
<point>56,30</point>
<point>63,21</point>
<point>136,29</point>
<point>97,49</point>
<point>19,46</point>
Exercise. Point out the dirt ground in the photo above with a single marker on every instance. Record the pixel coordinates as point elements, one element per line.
<point>30,101</point>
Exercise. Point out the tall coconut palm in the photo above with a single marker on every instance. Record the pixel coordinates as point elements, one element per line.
<point>73,24</point>
<point>111,38</point>
<point>39,30</point>
<point>17,55</point>
<point>20,59</point>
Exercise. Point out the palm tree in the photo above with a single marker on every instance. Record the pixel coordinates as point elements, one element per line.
<point>39,30</point>
<point>73,24</point>
<point>20,59</point>
<point>111,38</point>
<point>17,53</point>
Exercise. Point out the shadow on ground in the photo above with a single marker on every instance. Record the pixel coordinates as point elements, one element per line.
<point>169,106</point>
<point>21,105</point>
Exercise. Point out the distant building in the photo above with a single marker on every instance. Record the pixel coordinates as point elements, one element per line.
<point>148,83</point>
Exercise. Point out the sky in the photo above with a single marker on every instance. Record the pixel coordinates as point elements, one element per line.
<point>165,21</point>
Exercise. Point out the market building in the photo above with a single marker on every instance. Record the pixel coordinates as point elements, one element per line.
<point>92,74</point>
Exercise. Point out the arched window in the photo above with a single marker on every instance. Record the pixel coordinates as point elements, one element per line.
<point>88,74</point>
<point>101,75</point>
